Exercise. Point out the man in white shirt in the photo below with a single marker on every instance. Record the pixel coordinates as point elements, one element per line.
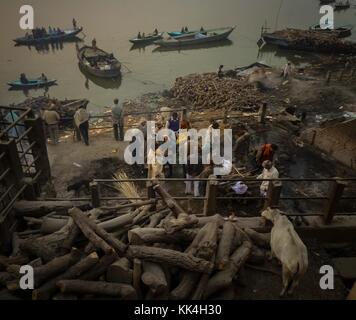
<point>269,172</point>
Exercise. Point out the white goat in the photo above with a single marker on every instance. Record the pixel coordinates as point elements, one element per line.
<point>288,248</point>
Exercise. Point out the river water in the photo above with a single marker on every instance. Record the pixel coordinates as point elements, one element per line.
<point>113,22</point>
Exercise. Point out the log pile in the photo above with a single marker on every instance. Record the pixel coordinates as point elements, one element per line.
<point>208,91</point>
<point>146,250</point>
<point>315,41</point>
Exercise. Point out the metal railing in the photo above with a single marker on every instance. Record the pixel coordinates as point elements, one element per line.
<point>329,205</point>
<point>23,155</point>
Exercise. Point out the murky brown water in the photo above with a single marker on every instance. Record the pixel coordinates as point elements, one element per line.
<point>113,22</point>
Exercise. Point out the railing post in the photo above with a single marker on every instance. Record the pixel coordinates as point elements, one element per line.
<point>336,190</point>
<point>263,113</point>
<point>95,194</point>
<point>13,160</point>
<point>151,194</point>
<point>37,135</point>
<point>211,193</point>
<point>273,194</point>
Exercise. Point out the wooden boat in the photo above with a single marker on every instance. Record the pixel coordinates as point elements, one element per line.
<point>98,62</point>
<point>148,39</point>
<point>197,38</point>
<point>32,83</point>
<point>342,5</point>
<point>174,34</point>
<point>341,32</point>
<point>69,34</point>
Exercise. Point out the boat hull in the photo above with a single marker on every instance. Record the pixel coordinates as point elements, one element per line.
<point>31,85</point>
<point>114,72</point>
<point>182,41</point>
<point>68,35</point>
<point>147,40</point>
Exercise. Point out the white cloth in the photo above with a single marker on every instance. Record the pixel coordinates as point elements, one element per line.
<point>81,116</point>
<point>240,188</point>
<point>189,184</point>
<point>267,174</point>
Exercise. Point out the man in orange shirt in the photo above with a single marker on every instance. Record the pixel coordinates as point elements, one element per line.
<point>266,152</point>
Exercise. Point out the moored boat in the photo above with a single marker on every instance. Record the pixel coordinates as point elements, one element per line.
<point>69,34</point>
<point>197,38</point>
<point>98,62</point>
<point>31,84</point>
<point>342,5</point>
<point>148,39</point>
<point>340,32</point>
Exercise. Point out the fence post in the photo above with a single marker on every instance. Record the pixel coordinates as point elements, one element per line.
<point>95,194</point>
<point>273,194</point>
<point>37,135</point>
<point>328,77</point>
<point>151,194</point>
<point>211,192</point>
<point>336,190</point>
<point>263,113</point>
<point>13,160</point>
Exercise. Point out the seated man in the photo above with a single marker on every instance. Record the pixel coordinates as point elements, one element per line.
<point>23,78</point>
<point>44,77</point>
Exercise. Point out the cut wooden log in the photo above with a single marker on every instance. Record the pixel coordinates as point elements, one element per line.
<point>99,243</point>
<point>99,268</point>
<point>216,218</point>
<point>183,221</point>
<point>168,200</point>
<point>144,214</point>
<point>93,231</point>
<point>50,224</point>
<point>120,272</point>
<point>138,204</point>
<point>119,222</point>
<point>186,286</point>
<point>46,247</point>
<point>257,256</point>
<point>225,245</point>
<point>137,273</point>
<point>41,208</point>
<point>170,257</point>
<point>154,277</point>
<point>152,235</point>
<point>49,288</point>
<point>156,218</point>
<point>5,277</point>
<point>262,240</point>
<point>223,279</point>
<point>47,271</point>
<point>6,261</point>
<point>123,291</point>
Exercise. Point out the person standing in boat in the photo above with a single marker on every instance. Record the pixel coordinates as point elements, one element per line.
<point>81,119</point>
<point>117,112</point>
<point>74,23</point>
<point>186,29</point>
<point>52,118</point>
<point>93,43</point>
<point>43,78</point>
<point>139,35</point>
<point>155,32</point>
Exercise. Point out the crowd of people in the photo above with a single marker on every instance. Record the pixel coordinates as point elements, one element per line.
<point>264,155</point>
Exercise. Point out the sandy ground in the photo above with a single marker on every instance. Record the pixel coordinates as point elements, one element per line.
<point>71,159</point>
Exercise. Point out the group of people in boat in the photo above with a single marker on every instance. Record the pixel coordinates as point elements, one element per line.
<point>24,79</point>
<point>186,30</point>
<point>39,33</point>
<point>142,36</point>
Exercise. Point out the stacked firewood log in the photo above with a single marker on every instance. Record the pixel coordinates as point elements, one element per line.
<point>316,41</point>
<point>142,250</point>
<point>209,91</point>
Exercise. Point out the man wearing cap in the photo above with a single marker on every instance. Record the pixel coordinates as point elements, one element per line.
<point>51,118</point>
